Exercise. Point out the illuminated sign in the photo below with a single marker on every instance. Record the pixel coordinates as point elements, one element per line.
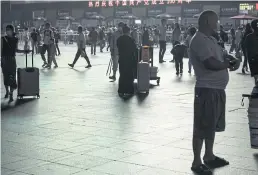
<point>256,6</point>
<point>246,6</point>
<point>191,10</point>
<point>229,10</point>
<point>63,13</point>
<point>116,3</point>
<point>155,10</point>
<point>38,14</point>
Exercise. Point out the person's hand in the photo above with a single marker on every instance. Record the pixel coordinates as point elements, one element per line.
<point>234,64</point>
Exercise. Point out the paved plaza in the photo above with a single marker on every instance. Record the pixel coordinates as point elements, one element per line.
<point>80,126</point>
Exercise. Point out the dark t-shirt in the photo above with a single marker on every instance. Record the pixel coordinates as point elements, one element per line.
<point>34,36</point>
<point>9,46</point>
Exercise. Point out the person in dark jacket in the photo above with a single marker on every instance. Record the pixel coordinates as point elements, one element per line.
<point>9,47</point>
<point>93,35</point>
<point>127,63</point>
<point>248,30</point>
<point>251,48</point>
<point>34,40</point>
<point>178,52</point>
<point>57,38</point>
<point>102,39</point>
<point>223,35</point>
<point>145,37</point>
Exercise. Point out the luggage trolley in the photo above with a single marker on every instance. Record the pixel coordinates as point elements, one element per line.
<point>153,70</point>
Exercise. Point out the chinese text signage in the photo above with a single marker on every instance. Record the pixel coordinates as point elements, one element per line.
<point>38,14</point>
<point>117,3</point>
<point>191,10</point>
<point>122,11</point>
<point>154,11</point>
<point>228,11</point>
<point>246,6</point>
<point>61,13</point>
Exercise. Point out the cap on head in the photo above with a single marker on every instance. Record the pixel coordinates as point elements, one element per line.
<point>126,29</point>
<point>80,28</point>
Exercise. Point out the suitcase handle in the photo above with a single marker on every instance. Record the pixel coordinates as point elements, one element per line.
<point>26,55</point>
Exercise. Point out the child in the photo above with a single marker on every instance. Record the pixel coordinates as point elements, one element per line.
<point>178,54</point>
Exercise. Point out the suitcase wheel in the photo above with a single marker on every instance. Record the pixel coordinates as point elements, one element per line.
<point>38,96</point>
<point>158,80</point>
<point>20,97</point>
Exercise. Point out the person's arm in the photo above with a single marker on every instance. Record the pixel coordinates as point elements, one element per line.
<point>204,52</point>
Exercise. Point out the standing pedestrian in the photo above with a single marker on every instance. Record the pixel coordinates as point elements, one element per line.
<point>248,30</point>
<point>102,39</point>
<point>9,46</point>
<point>93,35</point>
<point>114,49</point>
<point>239,36</point>
<point>210,99</point>
<point>26,39</point>
<point>57,38</point>
<point>34,41</point>
<point>233,39</point>
<point>109,37</point>
<point>162,40</point>
<point>251,49</point>
<point>127,63</point>
<point>190,35</point>
<point>81,44</point>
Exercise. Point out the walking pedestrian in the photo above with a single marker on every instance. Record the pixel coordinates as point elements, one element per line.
<point>248,30</point>
<point>93,35</point>
<point>109,37</point>
<point>26,39</point>
<point>48,42</point>
<point>81,44</point>
<point>162,40</point>
<point>9,47</point>
<point>251,48</point>
<point>178,52</point>
<point>210,99</point>
<point>114,49</point>
<point>176,33</point>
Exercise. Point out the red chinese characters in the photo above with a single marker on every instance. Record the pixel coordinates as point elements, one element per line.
<point>97,4</point>
<point>146,2</point>
<point>117,2</point>
<point>138,2</point>
<point>154,2</point>
<point>124,3</point>
<point>90,4</point>
<point>131,3</point>
<point>171,1</point>
<point>110,3</point>
<point>180,1</point>
<point>103,4</point>
<point>161,2</point>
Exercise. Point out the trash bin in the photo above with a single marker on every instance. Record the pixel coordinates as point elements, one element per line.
<point>253,116</point>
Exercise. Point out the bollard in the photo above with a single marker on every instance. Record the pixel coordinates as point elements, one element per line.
<point>253,116</point>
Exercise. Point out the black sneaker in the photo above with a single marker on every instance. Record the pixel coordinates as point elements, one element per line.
<point>189,72</point>
<point>71,65</point>
<point>177,73</point>
<point>11,98</point>
<point>44,65</point>
<point>6,95</point>
<point>56,66</point>
<point>88,66</point>
<point>113,78</point>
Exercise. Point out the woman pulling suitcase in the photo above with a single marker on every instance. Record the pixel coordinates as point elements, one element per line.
<point>9,47</point>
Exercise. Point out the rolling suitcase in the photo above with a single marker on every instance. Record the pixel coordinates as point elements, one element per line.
<point>143,77</point>
<point>28,81</point>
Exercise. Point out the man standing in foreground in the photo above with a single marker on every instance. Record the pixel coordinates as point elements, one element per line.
<point>114,49</point>
<point>210,99</point>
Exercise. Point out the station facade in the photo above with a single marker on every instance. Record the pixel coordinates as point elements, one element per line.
<point>182,10</point>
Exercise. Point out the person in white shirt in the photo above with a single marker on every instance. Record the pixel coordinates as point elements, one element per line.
<point>81,44</point>
<point>162,40</point>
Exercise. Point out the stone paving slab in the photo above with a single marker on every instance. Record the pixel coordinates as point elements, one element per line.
<point>80,126</point>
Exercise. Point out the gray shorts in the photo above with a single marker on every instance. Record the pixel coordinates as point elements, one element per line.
<point>209,112</point>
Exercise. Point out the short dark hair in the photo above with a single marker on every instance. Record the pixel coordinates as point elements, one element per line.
<point>9,27</point>
<point>47,24</point>
<point>192,31</point>
<point>121,24</point>
<point>80,28</point>
<point>126,29</point>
